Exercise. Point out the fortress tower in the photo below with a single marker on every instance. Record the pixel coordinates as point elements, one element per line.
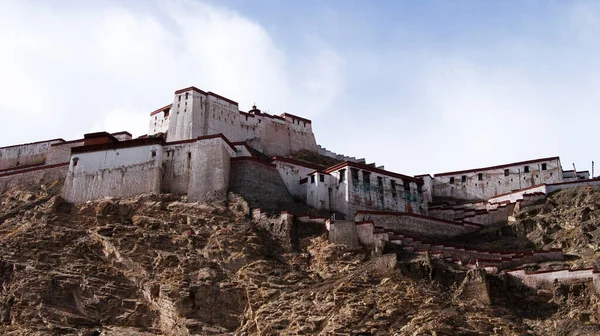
<point>196,113</point>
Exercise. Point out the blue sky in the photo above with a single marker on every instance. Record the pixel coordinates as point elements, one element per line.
<point>417,86</point>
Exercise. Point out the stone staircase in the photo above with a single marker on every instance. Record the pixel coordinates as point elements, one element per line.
<point>461,255</point>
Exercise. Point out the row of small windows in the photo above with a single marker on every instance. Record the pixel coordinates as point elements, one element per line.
<point>367,181</point>
<point>463,179</point>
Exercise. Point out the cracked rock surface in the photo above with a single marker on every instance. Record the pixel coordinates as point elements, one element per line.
<point>156,265</point>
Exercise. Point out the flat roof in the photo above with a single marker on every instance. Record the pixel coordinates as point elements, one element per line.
<point>161,109</point>
<point>498,167</point>
<point>371,169</point>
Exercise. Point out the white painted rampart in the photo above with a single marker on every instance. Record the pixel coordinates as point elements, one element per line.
<point>293,172</point>
<point>484,183</point>
<point>121,172</point>
<point>349,187</point>
<point>25,154</point>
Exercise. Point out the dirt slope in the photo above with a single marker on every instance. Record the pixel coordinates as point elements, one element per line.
<point>153,265</point>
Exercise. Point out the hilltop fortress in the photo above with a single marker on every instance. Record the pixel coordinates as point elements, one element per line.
<point>203,146</point>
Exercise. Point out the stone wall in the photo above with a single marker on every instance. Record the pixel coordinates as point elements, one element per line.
<point>33,177</point>
<point>25,154</point>
<point>259,183</point>
<point>209,179</point>
<point>484,183</point>
<point>421,226</point>
<point>121,172</point>
<point>547,278</point>
<point>343,232</point>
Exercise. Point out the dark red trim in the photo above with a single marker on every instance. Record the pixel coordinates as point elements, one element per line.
<point>191,88</point>
<point>371,169</point>
<point>118,145</point>
<point>242,143</point>
<point>497,167</point>
<point>161,109</point>
<point>296,117</point>
<point>248,158</point>
<point>35,169</point>
<point>398,213</point>
<point>296,162</point>
<point>21,167</point>
<point>33,143</point>
<point>204,137</point>
<point>222,98</point>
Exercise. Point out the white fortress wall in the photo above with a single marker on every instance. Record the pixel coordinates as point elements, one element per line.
<point>292,172</point>
<point>211,166</point>
<point>483,183</point>
<point>61,152</point>
<point>117,170</point>
<point>26,154</point>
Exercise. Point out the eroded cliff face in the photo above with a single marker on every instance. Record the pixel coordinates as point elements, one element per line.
<point>156,265</point>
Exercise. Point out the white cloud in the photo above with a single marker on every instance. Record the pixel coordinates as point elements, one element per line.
<point>72,69</point>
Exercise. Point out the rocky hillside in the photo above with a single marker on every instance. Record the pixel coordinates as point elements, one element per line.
<point>155,265</point>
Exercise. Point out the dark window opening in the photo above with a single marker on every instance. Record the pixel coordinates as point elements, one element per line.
<point>354,173</point>
<point>153,153</point>
<point>406,185</point>
<point>366,180</point>
<point>342,175</point>
<point>74,161</point>
<point>463,178</point>
<point>179,98</point>
<point>189,160</point>
<point>506,172</point>
<point>420,188</point>
<point>380,184</point>
<point>526,169</point>
<point>321,178</point>
<point>480,176</point>
<point>393,185</point>
<point>186,95</point>
<point>312,178</point>
<point>544,166</point>
<point>452,180</point>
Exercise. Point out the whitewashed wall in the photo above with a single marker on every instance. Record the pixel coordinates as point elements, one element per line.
<point>121,172</point>
<point>292,174</point>
<point>25,154</point>
<point>494,182</point>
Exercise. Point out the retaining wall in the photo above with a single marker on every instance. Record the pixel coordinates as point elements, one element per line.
<point>33,177</point>
<point>416,224</point>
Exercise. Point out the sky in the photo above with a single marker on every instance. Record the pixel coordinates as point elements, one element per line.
<point>417,86</point>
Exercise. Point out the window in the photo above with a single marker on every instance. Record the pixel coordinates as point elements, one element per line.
<point>321,178</point>
<point>526,169</point>
<point>366,180</point>
<point>452,180</point>
<point>342,175</point>
<point>312,178</point>
<point>153,153</point>
<point>506,172</point>
<point>406,185</point>
<point>179,98</point>
<point>480,176</point>
<point>463,179</point>
<point>74,161</point>
<point>186,95</point>
<point>544,166</point>
<point>354,173</point>
<point>393,185</point>
<point>420,188</point>
<point>380,184</point>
